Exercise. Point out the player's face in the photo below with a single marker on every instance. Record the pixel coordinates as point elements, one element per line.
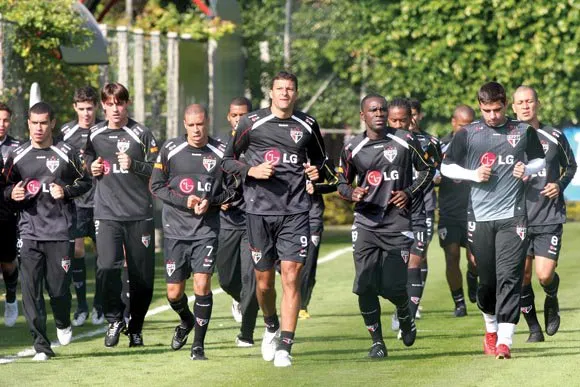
<point>196,127</point>
<point>460,120</point>
<point>493,113</point>
<point>525,105</point>
<point>236,112</point>
<point>86,113</point>
<point>283,95</point>
<point>4,123</point>
<point>399,118</point>
<point>416,118</point>
<point>40,127</point>
<point>116,112</point>
<point>374,114</point>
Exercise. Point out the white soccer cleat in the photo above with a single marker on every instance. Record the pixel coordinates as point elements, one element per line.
<point>64,335</point>
<point>395,322</point>
<point>236,311</point>
<point>269,342</point>
<point>40,356</point>
<point>418,314</point>
<point>10,313</point>
<point>79,319</point>
<point>282,358</point>
<point>97,318</point>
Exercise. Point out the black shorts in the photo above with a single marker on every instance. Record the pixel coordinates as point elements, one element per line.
<point>545,241</point>
<point>278,237</point>
<point>380,262</point>
<point>85,223</point>
<point>183,257</point>
<point>452,233</point>
<point>8,239</point>
<point>419,243</point>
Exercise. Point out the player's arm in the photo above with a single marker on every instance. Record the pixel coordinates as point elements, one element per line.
<point>14,191</point>
<point>567,162</point>
<point>329,180</point>
<point>82,181</point>
<point>159,183</point>
<point>150,151</point>
<point>238,144</point>
<point>437,158</point>
<point>316,153</point>
<point>346,174</point>
<point>423,165</point>
<point>229,184</point>
<point>90,156</point>
<point>535,155</point>
<point>454,161</point>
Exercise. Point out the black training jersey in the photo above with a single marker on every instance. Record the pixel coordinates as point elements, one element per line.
<point>453,194</point>
<point>431,145</point>
<point>285,143</point>
<point>122,194</point>
<point>182,170</point>
<point>560,169</point>
<point>42,217</point>
<point>327,183</point>
<point>6,146</point>
<point>74,135</point>
<point>384,165</point>
<point>234,218</point>
<point>501,197</point>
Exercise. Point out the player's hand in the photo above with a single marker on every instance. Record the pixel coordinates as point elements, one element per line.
<point>225,207</point>
<point>437,177</point>
<point>399,199</point>
<point>551,190</point>
<point>263,171</point>
<point>201,207</point>
<point>56,191</point>
<point>309,187</point>
<point>18,192</point>
<point>359,193</point>
<point>192,200</point>
<point>483,173</point>
<point>97,167</point>
<point>519,170</point>
<point>124,160</point>
<point>311,171</point>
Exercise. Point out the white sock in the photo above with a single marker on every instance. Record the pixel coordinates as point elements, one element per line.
<point>505,333</point>
<point>490,322</point>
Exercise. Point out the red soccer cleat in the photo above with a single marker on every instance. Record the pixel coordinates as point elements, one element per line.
<point>489,343</point>
<point>503,352</point>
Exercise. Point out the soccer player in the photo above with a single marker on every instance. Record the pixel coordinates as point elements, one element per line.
<point>8,226</point>
<point>187,177</point>
<point>75,133</point>
<point>381,160</point>
<point>490,153</point>
<point>546,214</point>
<point>233,258</point>
<point>120,154</point>
<point>453,203</point>
<point>42,179</point>
<point>282,148</point>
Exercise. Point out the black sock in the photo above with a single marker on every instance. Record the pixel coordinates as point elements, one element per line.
<point>11,282</point>
<point>202,310</point>
<point>414,289</point>
<point>551,290</point>
<point>286,341</point>
<point>272,323</point>
<point>79,277</point>
<point>424,272</point>
<point>529,309</point>
<point>458,297</point>
<point>404,312</point>
<point>370,308</point>
<point>182,309</point>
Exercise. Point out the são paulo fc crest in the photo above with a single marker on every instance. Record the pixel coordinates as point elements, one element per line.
<point>201,321</point>
<point>296,134</point>
<point>405,255</point>
<point>123,145</point>
<point>52,164</point>
<point>146,240</point>
<point>443,233</point>
<point>170,267</point>
<point>390,153</point>
<point>186,185</point>
<point>513,139</point>
<point>526,309</point>
<point>521,231</point>
<point>545,146</point>
<point>256,255</point>
<point>209,163</point>
<point>415,300</point>
<point>315,239</point>
<point>65,263</point>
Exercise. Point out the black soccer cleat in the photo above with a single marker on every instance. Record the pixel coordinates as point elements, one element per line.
<point>180,337</point>
<point>197,353</point>
<point>460,311</point>
<point>535,337</point>
<point>408,331</point>
<point>378,350</point>
<point>135,340</point>
<point>113,333</point>
<point>552,315</point>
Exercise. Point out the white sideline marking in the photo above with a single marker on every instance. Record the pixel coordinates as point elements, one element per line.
<point>29,352</point>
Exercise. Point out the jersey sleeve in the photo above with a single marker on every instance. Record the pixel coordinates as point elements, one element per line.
<point>329,180</point>
<point>316,149</point>
<point>150,150</point>
<point>238,144</point>
<point>457,149</point>
<point>229,184</point>
<point>567,162</point>
<point>159,183</point>
<point>11,177</point>
<point>81,180</point>
<point>423,165</point>
<point>346,175</point>
<point>89,154</point>
<point>534,148</point>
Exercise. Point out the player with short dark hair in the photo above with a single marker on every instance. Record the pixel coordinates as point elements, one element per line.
<point>75,133</point>
<point>491,153</point>
<point>42,179</point>
<point>282,147</point>
<point>120,154</point>
<point>8,226</point>
<point>546,214</point>
<point>452,228</point>
<point>381,160</point>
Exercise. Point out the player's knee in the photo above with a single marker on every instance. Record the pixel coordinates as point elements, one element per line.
<point>174,293</point>
<point>545,277</point>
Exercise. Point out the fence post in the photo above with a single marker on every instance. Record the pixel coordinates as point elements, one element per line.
<point>155,53</point>
<point>264,58</point>
<point>1,55</point>
<point>138,77</point>
<point>212,45</point>
<point>104,69</point>
<point>172,85</point>
<point>123,56</point>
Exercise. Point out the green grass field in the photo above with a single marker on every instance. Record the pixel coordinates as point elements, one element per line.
<point>330,348</point>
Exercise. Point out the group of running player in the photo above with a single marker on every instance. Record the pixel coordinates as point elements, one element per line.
<point>254,206</point>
